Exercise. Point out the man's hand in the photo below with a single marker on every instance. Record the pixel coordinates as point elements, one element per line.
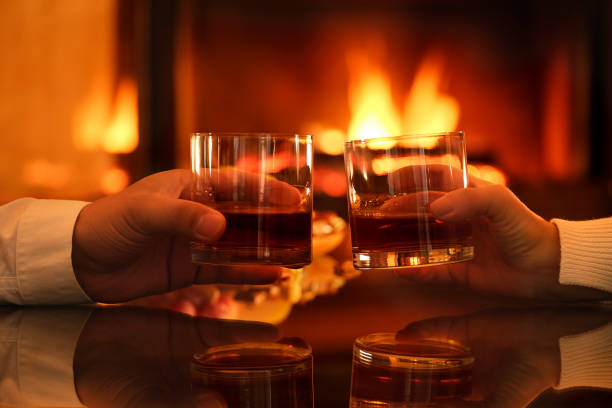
<point>136,243</point>
<point>131,357</point>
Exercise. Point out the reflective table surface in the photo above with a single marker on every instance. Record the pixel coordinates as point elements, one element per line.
<point>522,353</point>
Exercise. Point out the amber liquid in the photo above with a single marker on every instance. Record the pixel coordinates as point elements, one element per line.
<point>391,386</point>
<point>386,233</point>
<point>260,236</point>
<point>255,380</point>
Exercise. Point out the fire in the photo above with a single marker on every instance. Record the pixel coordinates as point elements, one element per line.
<point>97,128</point>
<point>370,101</point>
<point>122,133</point>
<point>426,108</point>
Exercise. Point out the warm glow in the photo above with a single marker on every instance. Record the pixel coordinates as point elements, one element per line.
<point>97,129</point>
<point>43,173</point>
<point>385,165</point>
<point>122,133</point>
<point>330,141</point>
<point>426,109</point>
<point>273,164</point>
<point>372,111</point>
<point>330,181</point>
<point>488,173</point>
<point>114,180</point>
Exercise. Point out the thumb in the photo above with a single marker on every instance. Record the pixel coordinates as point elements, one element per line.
<point>155,214</point>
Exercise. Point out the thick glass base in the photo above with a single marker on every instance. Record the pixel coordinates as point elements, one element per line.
<point>411,258</point>
<point>286,257</point>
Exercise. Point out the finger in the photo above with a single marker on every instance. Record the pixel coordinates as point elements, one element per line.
<point>170,183</point>
<point>426,177</point>
<point>439,329</point>
<point>493,201</point>
<point>459,403</point>
<point>239,185</point>
<point>248,274</point>
<point>152,214</point>
<point>206,398</point>
<point>215,332</point>
<point>410,204</point>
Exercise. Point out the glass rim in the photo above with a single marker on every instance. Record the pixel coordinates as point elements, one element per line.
<point>381,349</point>
<point>458,133</point>
<point>255,135</point>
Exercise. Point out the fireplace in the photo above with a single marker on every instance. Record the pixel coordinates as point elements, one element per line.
<point>528,83</point>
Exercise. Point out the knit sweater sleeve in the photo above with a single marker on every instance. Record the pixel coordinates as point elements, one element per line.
<point>586,253</point>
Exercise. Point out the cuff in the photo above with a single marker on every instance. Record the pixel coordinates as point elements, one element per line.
<point>44,253</point>
<point>46,344</point>
<point>586,359</point>
<point>586,253</point>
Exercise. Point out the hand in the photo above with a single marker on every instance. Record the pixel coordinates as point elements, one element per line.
<point>130,357</point>
<point>517,253</point>
<point>136,243</point>
<point>516,351</point>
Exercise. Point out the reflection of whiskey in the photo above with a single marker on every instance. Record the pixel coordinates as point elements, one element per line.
<point>377,386</point>
<point>262,236</point>
<point>256,378</point>
<point>394,373</point>
<point>410,232</point>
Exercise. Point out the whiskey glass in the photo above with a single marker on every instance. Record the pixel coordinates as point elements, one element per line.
<point>274,375</point>
<point>391,183</point>
<point>391,373</point>
<point>262,184</point>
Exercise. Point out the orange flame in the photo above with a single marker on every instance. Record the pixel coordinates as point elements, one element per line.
<point>372,111</point>
<point>427,110</point>
<point>373,114</point>
<point>96,128</point>
<point>122,133</point>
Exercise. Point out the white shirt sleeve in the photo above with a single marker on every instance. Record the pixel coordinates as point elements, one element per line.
<point>36,356</point>
<point>36,252</point>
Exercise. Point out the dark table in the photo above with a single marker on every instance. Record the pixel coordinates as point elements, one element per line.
<point>139,355</point>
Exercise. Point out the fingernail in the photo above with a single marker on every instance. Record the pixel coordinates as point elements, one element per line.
<point>210,226</point>
<point>441,207</point>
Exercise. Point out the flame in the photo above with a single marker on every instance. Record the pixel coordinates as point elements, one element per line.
<point>96,128</point>
<point>372,111</point>
<point>426,108</point>
<point>122,133</point>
